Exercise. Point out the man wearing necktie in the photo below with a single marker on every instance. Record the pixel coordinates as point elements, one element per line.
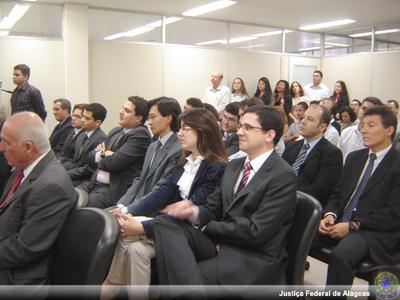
<point>362,216</point>
<point>239,235</point>
<point>120,158</point>
<point>35,203</point>
<point>230,122</point>
<point>316,162</point>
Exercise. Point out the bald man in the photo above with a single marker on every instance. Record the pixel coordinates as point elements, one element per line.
<point>217,95</point>
<point>34,204</point>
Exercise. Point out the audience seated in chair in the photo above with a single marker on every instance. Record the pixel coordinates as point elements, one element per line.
<point>362,216</point>
<point>77,167</point>
<point>317,163</point>
<point>35,204</point>
<point>120,158</point>
<point>62,114</point>
<point>196,176</point>
<point>162,155</point>
<point>230,122</point>
<point>239,237</point>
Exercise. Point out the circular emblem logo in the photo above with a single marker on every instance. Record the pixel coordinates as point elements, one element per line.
<point>386,284</point>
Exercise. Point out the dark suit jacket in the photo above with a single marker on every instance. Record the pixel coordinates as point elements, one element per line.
<point>207,178</point>
<point>154,174</point>
<point>321,170</point>
<point>378,209</point>
<point>127,161</point>
<point>67,153</point>
<point>31,220</point>
<point>59,136</point>
<point>252,226</point>
<point>231,144</point>
<point>77,167</point>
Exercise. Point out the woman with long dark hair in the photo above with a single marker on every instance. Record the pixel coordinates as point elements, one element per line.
<point>340,95</point>
<point>239,92</point>
<point>283,97</point>
<point>297,93</point>
<point>196,175</point>
<point>264,91</point>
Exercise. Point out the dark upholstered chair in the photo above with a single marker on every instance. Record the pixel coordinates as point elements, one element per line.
<point>82,197</point>
<point>305,225</point>
<point>85,247</point>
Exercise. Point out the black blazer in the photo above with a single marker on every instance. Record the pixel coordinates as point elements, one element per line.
<point>68,150</point>
<point>59,136</point>
<point>321,170</point>
<point>127,161</point>
<point>231,144</point>
<point>378,209</point>
<point>77,167</point>
<point>252,226</point>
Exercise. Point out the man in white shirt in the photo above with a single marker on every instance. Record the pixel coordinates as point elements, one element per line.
<point>240,233</point>
<point>351,138</point>
<point>217,95</point>
<point>316,90</point>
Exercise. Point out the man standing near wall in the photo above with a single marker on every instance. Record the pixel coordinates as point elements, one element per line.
<point>26,97</point>
<point>217,95</point>
<point>316,90</point>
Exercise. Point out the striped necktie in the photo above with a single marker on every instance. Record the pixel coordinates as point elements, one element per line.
<point>300,158</point>
<point>246,173</point>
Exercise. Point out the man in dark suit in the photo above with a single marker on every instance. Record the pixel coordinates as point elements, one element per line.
<point>120,158</point>
<point>230,122</point>
<point>62,113</point>
<point>76,122</point>
<point>35,203</point>
<point>240,233</point>
<point>77,167</point>
<point>163,122</point>
<point>317,163</point>
<point>362,217</point>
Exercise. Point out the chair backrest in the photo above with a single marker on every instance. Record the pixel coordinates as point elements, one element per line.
<point>305,225</point>
<point>85,247</point>
<point>82,198</point>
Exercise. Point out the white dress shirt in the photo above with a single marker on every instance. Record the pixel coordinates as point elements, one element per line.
<point>332,135</point>
<point>316,92</point>
<point>219,97</point>
<point>350,140</point>
<point>33,164</point>
<point>190,170</point>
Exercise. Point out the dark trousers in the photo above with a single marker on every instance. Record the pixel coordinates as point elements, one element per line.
<point>185,255</point>
<point>100,196</point>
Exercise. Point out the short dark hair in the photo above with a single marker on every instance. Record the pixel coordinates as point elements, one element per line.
<point>212,109</point>
<point>168,107</point>
<point>333,108</point>
<point>80,106</point>
<point>314,102</point>
<point>373,100</point>
<point>98,111</point>
<point>195,102</point>
<point>319,72</point>
<point>388,117</point>
<point>25,70</point>
<point>233,108</point>
<point>396,104</point>
<point>141,108</point>
<point>325,116</point>
<point>304,104</point>
<point>269,119</point>
<point>350,111</point>
<point>358,101</point>
<point>65,104</point>
<point>246,103</point>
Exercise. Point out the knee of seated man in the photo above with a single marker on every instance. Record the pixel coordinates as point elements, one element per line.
<point>340,255</point>
<point>141,250</point>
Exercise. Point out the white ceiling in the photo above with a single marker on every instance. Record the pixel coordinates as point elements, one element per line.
<point>46,19</point>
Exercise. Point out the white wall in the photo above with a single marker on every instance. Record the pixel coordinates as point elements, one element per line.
<point>45,58</point>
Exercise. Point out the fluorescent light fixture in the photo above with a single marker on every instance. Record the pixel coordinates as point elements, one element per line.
<point>376,32</point>
<point>242,39</point>
<point>4,32</point>
<point>275,32</point>
<point>327,24</point>
<point>313,48</point>
<point>203,9</point>
<point>137,31</point>
<point>115,36</point>
<point>16,13</point>
<point>211,42</point>
<point>332,44</point>
<point>167,21</point>
<point>252,46</point>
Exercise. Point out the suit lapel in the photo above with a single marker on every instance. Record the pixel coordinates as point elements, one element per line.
<point>198,175</point>
<point>31,177</point>
<point>381,171</point>
<point>356,173</point>
<point>163,154</point>
<point>315,151</point>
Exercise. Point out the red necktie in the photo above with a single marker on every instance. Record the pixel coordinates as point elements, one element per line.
<point>246,172</point>
<point>17,180</point>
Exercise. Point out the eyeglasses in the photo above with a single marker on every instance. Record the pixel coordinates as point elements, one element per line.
<point>248,127</point>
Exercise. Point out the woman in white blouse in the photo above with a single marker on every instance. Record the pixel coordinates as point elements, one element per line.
<point>195,177</point>
<point>297,93</point>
